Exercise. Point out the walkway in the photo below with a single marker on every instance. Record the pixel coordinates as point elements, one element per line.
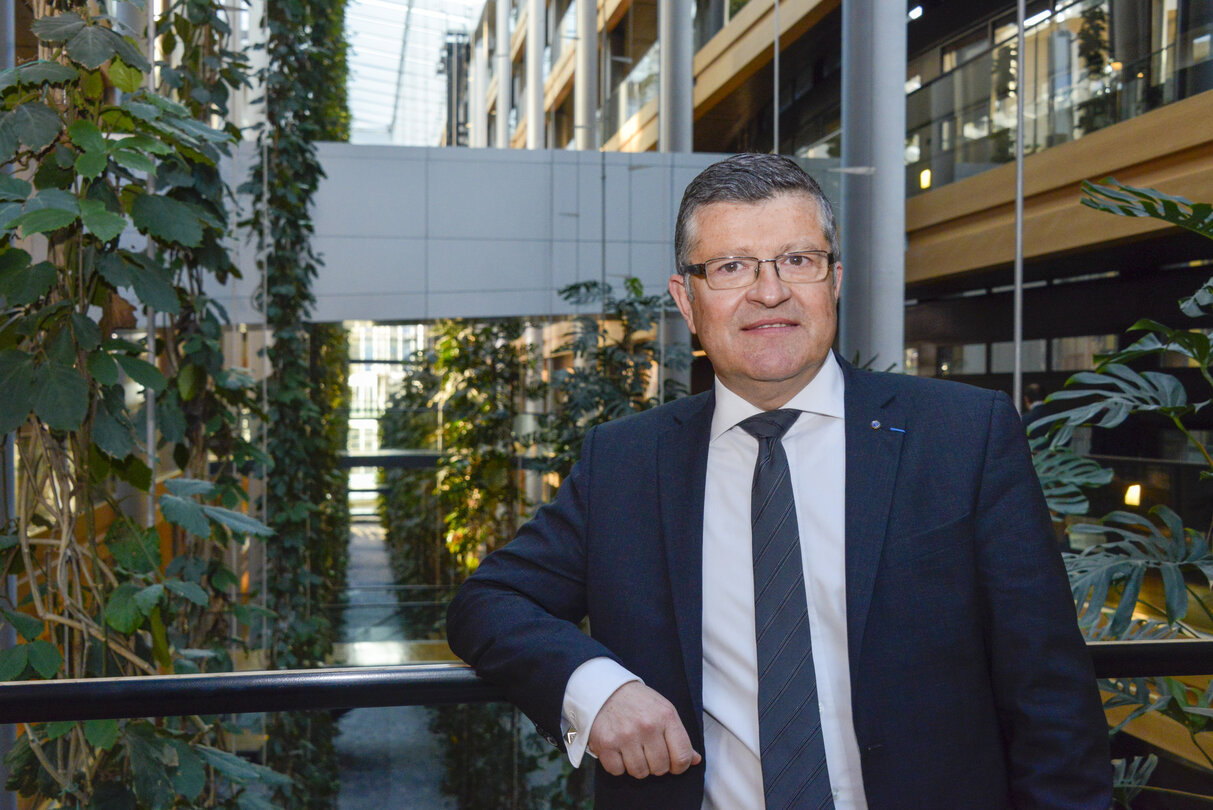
<point>388,758</point>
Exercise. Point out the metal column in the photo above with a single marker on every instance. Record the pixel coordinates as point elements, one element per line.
<point>505,75</point>
<point>585,78</point>
<point>675,111</point>
<point>872,220</point>
<point>477,109</point>
<point>536,127</point>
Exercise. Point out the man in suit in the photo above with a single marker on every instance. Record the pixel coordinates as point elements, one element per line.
<point>935,659</point>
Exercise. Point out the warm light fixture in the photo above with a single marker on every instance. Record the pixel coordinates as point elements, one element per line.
<point>1116,66</point>
<point>915,13</point>
<point>924,178</point>
<point>1133,495</point>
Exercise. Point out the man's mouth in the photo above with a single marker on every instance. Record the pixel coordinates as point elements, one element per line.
<point>767,325</point>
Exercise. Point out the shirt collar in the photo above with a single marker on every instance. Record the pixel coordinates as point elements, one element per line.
<point>823,395</point>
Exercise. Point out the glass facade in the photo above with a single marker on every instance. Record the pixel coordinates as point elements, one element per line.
<point>1087,65</point>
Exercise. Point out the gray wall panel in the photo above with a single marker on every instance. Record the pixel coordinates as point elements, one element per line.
<point>410,233</point>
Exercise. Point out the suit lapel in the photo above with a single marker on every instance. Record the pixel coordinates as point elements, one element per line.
<point>682,466</point>
<point>873,447</point>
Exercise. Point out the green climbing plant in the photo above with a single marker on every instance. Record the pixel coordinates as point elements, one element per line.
<point>305,102</point>
<point>111,199</point>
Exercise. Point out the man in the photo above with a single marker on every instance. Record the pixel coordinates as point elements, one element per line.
<point>925,653</point>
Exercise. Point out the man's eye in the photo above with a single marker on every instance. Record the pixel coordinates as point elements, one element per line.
<point>729,268</point>
<point>796,260</point>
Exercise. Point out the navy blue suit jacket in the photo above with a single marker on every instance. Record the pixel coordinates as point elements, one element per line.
<point>971,686</point>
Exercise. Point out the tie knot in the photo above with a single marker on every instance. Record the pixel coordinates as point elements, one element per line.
<point>769,424</point>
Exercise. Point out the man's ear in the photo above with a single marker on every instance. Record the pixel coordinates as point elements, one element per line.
<point>837,282</point>
<point>680,292</point>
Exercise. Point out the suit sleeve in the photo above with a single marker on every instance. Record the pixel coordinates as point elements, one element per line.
<point>516,618</point>
<point>1053,726</point>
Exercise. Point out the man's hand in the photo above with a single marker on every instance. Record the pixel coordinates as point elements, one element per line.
<point>638,731</point>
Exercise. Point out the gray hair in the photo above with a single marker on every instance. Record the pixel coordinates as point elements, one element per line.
<point>749,178</point>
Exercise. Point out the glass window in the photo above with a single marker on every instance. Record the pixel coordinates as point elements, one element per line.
<point>1078,353</point>
<point>1002,356</point>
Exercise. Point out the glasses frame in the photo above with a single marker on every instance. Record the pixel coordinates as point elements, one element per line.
<point>701,269</point>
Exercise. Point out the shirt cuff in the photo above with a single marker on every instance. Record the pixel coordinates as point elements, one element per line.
<point>588,688</point>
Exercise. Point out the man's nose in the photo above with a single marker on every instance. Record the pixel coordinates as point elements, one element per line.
<point>769,288</point>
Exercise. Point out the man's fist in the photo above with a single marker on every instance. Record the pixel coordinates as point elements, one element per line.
<point>638,731</point>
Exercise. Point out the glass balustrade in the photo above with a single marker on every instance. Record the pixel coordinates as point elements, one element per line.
<point>963,122</point>
<point>638,88</point>
<point>565,34</point>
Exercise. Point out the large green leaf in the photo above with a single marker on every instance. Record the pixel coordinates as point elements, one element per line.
<point>13,189</point>
<point>103,224</point>
<point>121,610</point>
<point>148,754</point>
<point>60,396</point>
<point>87,136</point>
<point>148,598</point>
<point>237,521</point>
<point>93,46</point>
<point>13,661</point>
<point>189,590</point>
<point>30,284</point>
<point>136,162</point>
<point>185,513</point>
<point>35,124</point>
<point>111,435</point>
<point>103,368</point>
<point>189,487</point>
<point>58,28</point>
<point>91,164</point>
<point>28,626</point>
<point>125,78</point>
<point>43,72</point>
<point>142,372</point>
<point>17,383</point>
<point>44,220</point>
<point>101,733</point>
<point>142,274</point>
<point>55,199</point>
<point>189,779</point>
<point>45,658</point>
<point>1130,201</point>
<point>167,219</point>
<point>240,770</point>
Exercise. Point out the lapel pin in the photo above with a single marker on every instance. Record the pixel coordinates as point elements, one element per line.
<point>875,424</point>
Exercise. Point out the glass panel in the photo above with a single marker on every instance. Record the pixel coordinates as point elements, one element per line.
<point>1002,356</point>
<point>1078,353</point>
<point>1087,65</point>
<point>638,88</point>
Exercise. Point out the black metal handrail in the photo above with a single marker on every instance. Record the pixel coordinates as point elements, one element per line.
<point>408,685</point>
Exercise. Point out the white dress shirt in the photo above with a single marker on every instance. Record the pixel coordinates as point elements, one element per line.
<point>815,447</point>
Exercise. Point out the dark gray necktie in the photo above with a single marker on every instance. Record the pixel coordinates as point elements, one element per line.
<point>794,773</point>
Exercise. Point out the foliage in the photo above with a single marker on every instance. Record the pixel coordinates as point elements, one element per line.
<point>409,510</point>
<point>111,198</point>
<point>1135,546</point>
<point>305,102</point>
<point>615,355</point>
<point>483,368</point>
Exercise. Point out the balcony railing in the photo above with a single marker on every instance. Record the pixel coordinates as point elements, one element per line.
<point>411,685</point>
<point>963,122</point>
<point>638,88</point>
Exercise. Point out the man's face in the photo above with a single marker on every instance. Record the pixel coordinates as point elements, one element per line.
<point>768,340</point>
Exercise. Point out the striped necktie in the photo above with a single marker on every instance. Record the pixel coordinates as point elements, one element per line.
<point>794,773</point>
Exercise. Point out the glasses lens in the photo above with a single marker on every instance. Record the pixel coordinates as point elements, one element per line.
<point>727,274</point>
<point>803,267</point>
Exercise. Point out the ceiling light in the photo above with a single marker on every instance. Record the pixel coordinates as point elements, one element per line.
<point>915,13</point>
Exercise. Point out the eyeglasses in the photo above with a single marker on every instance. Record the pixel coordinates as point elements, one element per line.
<point>734,272</point>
